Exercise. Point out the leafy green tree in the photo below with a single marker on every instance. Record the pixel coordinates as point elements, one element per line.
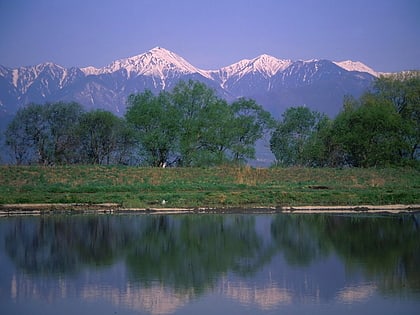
<point>125,149</point>
<point>18,144</point>
<point>62,119</point>
<point>213,132</point>
<point>99,134</point>
<point>317,151</point>
<point>295,140</point>
<point>250,123</point>
<point>369,135</point>
<point>156,121</point>
<point>28,128</point>
<point>17,140</point>
<point>191,99</point>
<point>43,133</point>
<point>403,91</point>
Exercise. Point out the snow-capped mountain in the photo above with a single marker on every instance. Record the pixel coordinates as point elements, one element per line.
<point>350,65</point>
<point>264,66</point>
<point>158,62</point>
<point>274,83</point>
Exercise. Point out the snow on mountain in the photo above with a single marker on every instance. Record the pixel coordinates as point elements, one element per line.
<point>265,65</point>
<point>157,62</point>
<point>275,83</point>
<point>90,70</point>
<point>4,71</point>
<point>350,65</point>
<point>24,77</point>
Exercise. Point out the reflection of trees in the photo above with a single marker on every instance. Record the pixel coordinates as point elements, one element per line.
<point>50,245</point>
<point>193,251</point>
<point>386,248</point>
<point>300,238</point>
<point>190,253</point>
<point>185,252</point>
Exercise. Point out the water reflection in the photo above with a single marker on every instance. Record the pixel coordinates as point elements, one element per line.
<point>358,293</point>
<point>266,298</point>
<point>156,299</point>
<point>164,264</point>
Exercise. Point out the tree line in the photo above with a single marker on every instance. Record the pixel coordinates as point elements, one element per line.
<point>380,128</point>
<point>191,126</point>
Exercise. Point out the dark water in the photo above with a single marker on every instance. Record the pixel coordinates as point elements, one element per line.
<point>210,264</point>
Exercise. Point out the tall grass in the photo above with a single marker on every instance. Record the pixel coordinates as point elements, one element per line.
<point>208,187</point>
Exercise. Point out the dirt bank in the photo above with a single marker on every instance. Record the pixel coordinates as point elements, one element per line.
<point>46,208</point>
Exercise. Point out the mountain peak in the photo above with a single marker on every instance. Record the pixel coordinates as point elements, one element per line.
<point>158,53</point>
<point>269,64</point>
<point>159,49</point>
<point>264,64</point>
<point>157,62</point>
<point>285,81</point>
<point>351,65</point>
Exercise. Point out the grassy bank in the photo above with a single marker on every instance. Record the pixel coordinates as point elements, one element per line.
<point>208,187</point>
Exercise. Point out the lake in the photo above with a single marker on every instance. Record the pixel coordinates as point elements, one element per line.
<point>210,264</point>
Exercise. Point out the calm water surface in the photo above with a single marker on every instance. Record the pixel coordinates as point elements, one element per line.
<point>210,264</point>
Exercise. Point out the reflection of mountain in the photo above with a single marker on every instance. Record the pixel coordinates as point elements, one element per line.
<point>158,264</point>
<point>266,298</point>
<point>156,300</point>
<point>160,299</point>
<point>358,293</point>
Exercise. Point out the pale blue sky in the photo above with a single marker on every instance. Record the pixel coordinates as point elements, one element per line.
<point>384,34</point>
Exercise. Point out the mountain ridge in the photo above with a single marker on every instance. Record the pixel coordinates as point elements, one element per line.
<point>158,51</point>
<point>275,83</point>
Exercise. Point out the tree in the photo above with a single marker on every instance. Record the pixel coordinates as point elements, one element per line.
<point>295,141</point>
<point>213,134</point>
<point>99,135</point>
<point>156,122</point>
<point>43,133</point>
<point>20,145</point>
<point>125,148</point>
<point>317,151</point>
<point>62,119</point>
<point>192,126</point>
<point>403,91</point>
<point>369,135</point>
<point>192,99</point>
<point>250,123</point>
<point>30,126</point>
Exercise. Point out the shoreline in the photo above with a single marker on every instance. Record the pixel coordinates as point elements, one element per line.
<point>115,208</point>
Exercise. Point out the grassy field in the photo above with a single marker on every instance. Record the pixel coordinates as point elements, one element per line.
<point>208,187</point>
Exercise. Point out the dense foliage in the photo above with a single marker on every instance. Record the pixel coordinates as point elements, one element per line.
<point>381,128</point>
<point>190,126</point>
<point>295,140</point>
<point>44,134</point>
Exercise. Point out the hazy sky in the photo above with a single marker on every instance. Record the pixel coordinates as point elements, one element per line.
<point>384,34</point>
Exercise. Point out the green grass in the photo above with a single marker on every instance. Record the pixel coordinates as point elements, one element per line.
<point>208,187</point>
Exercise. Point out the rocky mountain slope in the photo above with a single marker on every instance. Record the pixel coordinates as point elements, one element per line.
<point>274,83</point>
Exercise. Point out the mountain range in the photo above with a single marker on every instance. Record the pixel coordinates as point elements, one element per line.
<point>274,83</point>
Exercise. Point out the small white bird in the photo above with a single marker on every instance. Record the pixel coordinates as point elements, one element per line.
<point>163,202</point>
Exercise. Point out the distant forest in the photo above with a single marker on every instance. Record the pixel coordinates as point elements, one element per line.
<point>191,126</point>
